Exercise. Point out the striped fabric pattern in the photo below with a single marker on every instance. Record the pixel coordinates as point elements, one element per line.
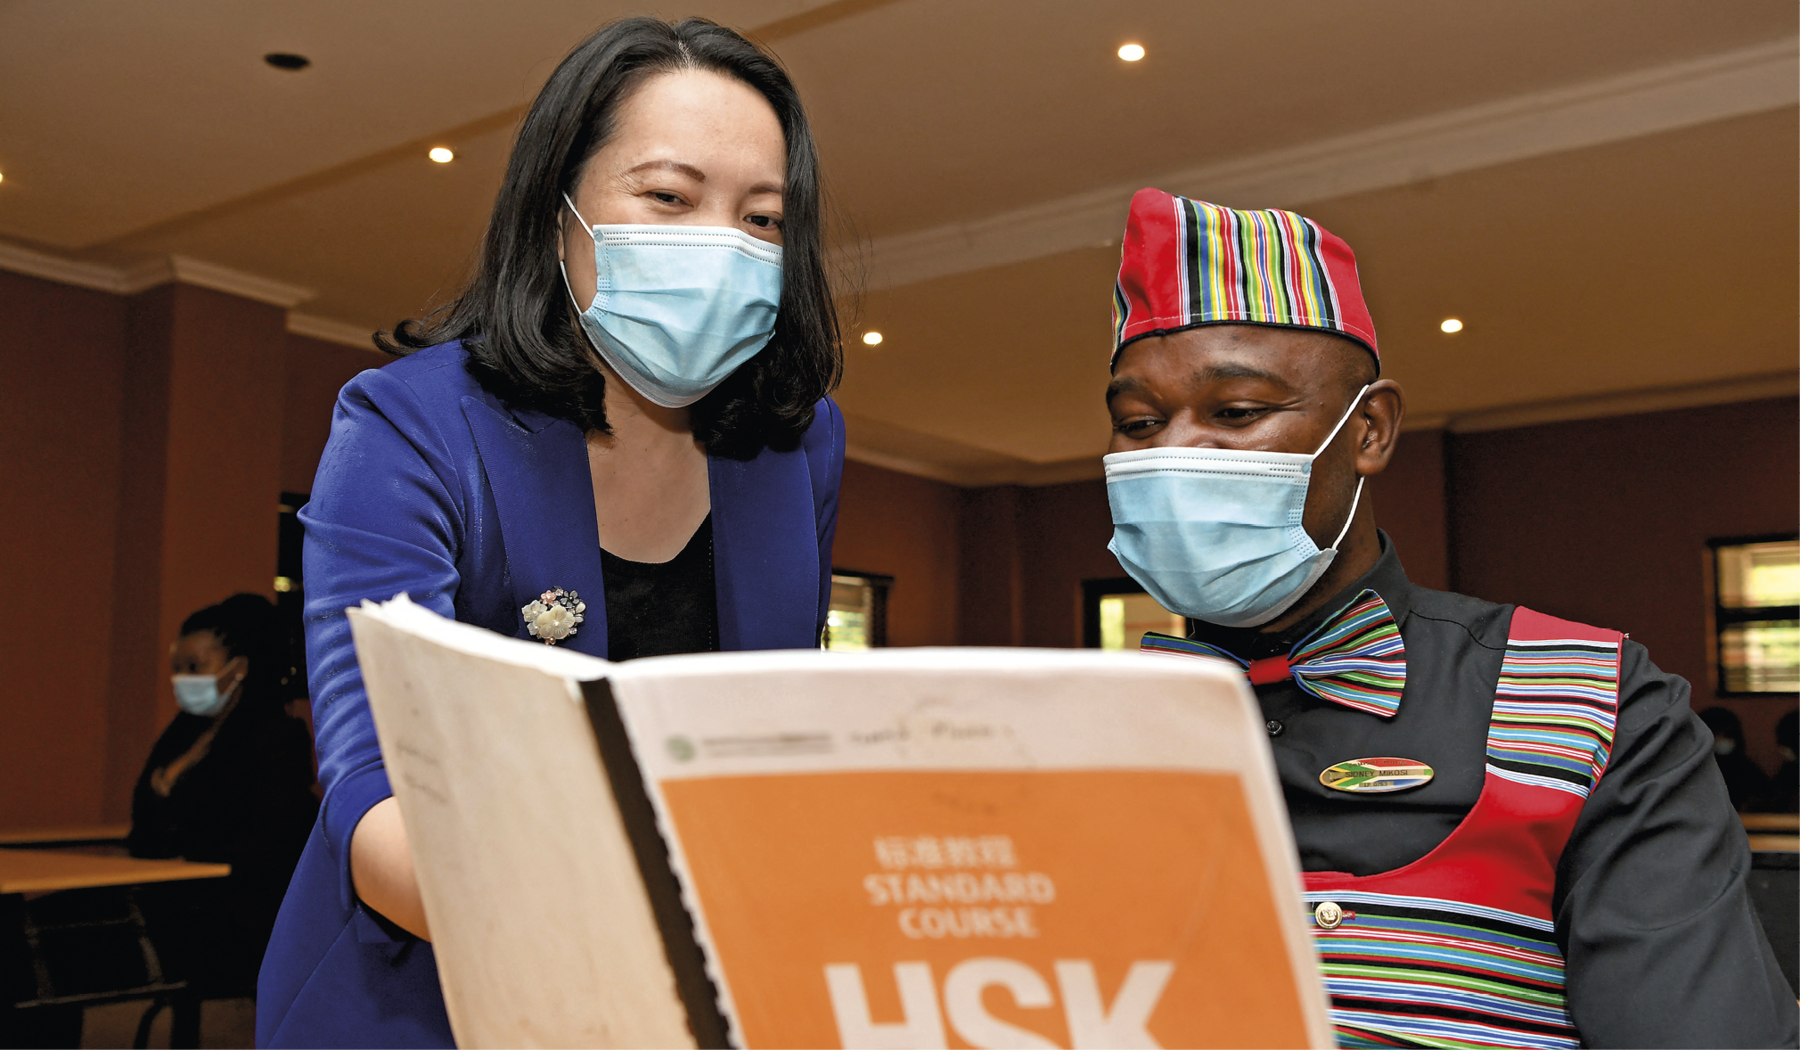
<point>1187,262</point>
<point>1169,645</point>
<point>1421,971</point>
<point>1355,658</point>
<point>1555,713</point>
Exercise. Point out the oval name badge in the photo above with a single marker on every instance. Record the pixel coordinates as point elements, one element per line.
<point>1374,776</point>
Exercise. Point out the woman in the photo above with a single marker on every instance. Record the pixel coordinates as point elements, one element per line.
<point>230,780</point>
<point>615,439</point>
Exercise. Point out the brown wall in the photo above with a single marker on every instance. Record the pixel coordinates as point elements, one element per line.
<point>1409,505</point>
<point>62,353</point>
<point>1606,521</point>
<point>145,447</point>
<point>316,371</point>
<point>905,527</point>
<point>1062,542</point>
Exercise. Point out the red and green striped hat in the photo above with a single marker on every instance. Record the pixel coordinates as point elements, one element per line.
<point>1187,263</point>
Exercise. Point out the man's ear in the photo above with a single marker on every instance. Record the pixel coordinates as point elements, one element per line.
<point>1383,406</point>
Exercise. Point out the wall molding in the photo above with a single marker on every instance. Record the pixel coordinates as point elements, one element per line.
<point>1624,403</point>
<point>15,259</point>
<point>182,269</point>
<point>324,328</point>
<point>1644,102</point>
<point>167,269</point>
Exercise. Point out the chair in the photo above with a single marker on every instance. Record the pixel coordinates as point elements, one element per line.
<point>74,949</point>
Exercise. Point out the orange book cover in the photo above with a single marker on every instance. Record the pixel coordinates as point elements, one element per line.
<point>983,848</point>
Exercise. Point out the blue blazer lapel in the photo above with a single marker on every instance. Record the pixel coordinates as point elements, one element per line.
<point>765,551</point>
<point>545,497</point>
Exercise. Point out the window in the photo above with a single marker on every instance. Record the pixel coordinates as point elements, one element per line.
<point>857,618</point>
<point>1756,614</point>
<point>1116,614</point>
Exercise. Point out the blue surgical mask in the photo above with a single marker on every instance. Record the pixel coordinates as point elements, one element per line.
<point>198,694</point>
<point>677,309</point>
<point>1215,533</point>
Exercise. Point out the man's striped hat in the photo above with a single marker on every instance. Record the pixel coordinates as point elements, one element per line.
<point>1187,263</point>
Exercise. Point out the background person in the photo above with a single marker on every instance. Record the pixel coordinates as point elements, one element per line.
<point>229,781</point>
<point>1784,794</point>
<point>1511,827</point>
<point>1747,784</point>
<point>652,470</point>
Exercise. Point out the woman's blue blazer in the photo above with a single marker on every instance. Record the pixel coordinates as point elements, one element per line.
<point>432,486</point>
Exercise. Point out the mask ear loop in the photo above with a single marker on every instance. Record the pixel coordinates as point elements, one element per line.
<point>564,267</point>
<point>1353,502</point>
<point>1348,412</point>
<point>1357,499</point>
<point>589,230</point>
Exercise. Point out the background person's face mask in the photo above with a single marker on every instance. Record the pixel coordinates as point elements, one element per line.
<point>677,309</point>
<point>198,694</point>
<point>1215,533</point>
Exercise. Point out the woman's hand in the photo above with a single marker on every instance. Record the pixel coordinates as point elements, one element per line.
<point>381,868</point>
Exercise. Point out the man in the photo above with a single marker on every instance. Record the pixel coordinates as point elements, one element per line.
<point>1512,829</point>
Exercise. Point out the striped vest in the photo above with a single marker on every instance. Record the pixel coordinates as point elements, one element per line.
<point>1457,948</point>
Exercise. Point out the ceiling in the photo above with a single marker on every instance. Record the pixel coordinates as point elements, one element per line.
<point>1605,192</point>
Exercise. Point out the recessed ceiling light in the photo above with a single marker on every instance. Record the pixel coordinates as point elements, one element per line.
<point>286,60</point>
<point>872,338</point>
<point>1131,52</point>
<point>441,154</point>
<point>1451,325</point>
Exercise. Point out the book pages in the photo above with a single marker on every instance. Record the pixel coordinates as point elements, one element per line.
<point>538,916</point>
<point>900,848</point>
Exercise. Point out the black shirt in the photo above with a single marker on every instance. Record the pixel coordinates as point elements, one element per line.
<point>654,609</point>
<point>1661,944</point>
<point>248,803</point>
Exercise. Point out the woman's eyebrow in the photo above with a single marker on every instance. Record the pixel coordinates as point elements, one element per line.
<point>670,165</point>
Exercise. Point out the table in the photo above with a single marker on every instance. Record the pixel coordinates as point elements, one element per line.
<point>64,835</point>
<point>51,1005</point>
<point>1772,823</point>
<point>39,871</point>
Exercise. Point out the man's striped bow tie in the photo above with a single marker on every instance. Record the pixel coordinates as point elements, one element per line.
<point>1355,658</point>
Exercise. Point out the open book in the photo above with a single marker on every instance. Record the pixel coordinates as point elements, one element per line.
<point>900,848</point>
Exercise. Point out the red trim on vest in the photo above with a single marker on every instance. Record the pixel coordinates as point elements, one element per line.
<point>1504,853</point>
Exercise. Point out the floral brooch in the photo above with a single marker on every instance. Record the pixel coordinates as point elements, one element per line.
<point>554,616</point>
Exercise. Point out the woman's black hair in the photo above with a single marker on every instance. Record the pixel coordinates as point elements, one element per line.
<point>247,625</point>
<point>514,317</point>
